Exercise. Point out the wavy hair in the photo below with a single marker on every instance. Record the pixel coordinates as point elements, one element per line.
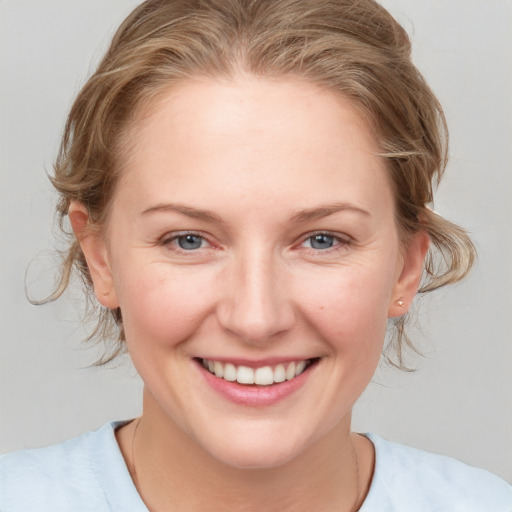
<point>352,47</point>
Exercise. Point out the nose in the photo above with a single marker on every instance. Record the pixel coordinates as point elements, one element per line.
<point>256,305</point>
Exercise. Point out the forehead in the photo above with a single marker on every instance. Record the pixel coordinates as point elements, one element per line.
<point>278,139</point>
<point>286,106</point>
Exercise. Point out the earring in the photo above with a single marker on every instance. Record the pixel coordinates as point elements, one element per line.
<point>400,303</point>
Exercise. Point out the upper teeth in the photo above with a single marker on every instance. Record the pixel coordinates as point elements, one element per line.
<point>263,376</point>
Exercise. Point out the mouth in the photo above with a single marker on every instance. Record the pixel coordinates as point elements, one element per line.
<point>268,375</point>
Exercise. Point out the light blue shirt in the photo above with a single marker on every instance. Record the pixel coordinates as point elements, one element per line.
<point>88,474</point>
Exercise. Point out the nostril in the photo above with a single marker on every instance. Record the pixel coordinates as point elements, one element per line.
<point>256,322</point>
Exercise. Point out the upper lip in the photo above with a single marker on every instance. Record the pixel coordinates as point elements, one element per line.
<point>258,363</point>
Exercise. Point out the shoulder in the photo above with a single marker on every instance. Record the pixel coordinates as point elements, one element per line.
<point>63,477</point>
<point>410,479</point>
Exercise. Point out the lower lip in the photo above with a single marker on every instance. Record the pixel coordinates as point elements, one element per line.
<point>252,395</point>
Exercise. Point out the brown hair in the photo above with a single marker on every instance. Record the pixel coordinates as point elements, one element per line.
<point>353,47</point>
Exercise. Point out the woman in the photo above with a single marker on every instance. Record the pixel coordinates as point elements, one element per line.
<point>249,187</point>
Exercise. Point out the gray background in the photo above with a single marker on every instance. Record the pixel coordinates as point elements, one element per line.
<point>459,402</point>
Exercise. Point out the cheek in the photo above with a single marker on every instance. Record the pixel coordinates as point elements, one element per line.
<point>349,308</point>
<point>162,307</point>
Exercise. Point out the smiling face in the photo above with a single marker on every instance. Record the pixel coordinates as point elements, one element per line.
<point>253,233</point>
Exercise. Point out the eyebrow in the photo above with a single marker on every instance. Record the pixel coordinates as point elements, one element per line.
<point>326,210</point>
<point>194,213</point>
<point>298,217</point>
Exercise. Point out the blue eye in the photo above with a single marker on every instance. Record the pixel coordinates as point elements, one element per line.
<point>189,242</point>
<point>322,241</point>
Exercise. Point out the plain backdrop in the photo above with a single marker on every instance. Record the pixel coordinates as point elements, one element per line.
<point>458,402</point>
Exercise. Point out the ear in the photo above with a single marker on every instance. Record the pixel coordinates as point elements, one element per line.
<point>96,255</point>
<point>408,282</point>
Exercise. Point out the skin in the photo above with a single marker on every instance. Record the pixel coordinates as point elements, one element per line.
<point>254,153</point>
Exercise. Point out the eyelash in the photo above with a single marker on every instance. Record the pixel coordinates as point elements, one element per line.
<point>340,242</point>
<point>167,241</point>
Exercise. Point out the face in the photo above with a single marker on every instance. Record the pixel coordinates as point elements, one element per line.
<point>253,251</point>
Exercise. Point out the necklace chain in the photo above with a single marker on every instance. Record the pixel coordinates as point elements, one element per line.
<point>354,507</point>
<point>134,467</point>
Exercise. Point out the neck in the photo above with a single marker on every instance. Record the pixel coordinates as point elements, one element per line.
<point>168,467</point>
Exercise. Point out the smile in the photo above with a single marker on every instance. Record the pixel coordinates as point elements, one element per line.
<point>262,376</point>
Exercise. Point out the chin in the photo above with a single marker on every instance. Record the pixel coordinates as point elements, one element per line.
<point>257,447</point>
<point>255,457</point>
